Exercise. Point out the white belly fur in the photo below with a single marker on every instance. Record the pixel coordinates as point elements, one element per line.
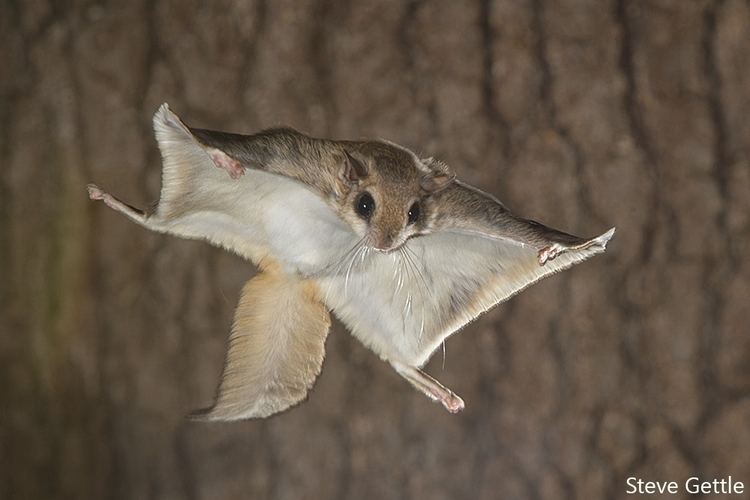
<point>396,317</point>
<point>263,215</point>
<point>307,237</point>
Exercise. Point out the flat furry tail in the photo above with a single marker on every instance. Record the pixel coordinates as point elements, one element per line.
<point>275,351</point>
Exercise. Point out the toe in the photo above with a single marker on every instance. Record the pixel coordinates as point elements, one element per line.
<point>94,192</point>
<point>454,403</point>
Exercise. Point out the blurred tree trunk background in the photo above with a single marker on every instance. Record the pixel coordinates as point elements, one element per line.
<point>583,114</point>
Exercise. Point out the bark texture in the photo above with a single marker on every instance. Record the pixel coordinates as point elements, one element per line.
<point>580,113</point>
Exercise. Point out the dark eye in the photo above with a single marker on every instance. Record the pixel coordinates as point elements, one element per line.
<point>365,206</point>
<point>414,213</point>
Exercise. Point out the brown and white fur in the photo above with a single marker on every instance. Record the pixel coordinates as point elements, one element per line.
<point>403,269</point>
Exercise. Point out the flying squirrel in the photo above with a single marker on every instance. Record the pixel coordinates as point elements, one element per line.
<point>402,252</point>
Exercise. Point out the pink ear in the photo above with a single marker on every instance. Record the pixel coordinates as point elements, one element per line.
<point>353,170</point>
<point>432,183</point>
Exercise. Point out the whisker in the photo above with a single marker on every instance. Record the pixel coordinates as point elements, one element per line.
<point>424,291</point>
<point>337,266</point>
<point>414,259</point>
<point>354,258</point>
<point>418,274</point>
<point>399,269</point>
<point>344,257</point>
<point>443,355</point>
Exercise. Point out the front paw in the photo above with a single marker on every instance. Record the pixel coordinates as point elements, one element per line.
<point>550,252</point>
<point>226,162</point>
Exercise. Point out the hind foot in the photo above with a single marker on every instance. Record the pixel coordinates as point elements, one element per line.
<point>430,387</point>
<point>96,193</point>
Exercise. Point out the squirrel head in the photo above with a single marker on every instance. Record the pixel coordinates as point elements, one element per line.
<point>386,192</point>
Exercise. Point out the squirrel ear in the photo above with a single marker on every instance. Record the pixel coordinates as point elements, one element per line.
<point>439,176</point>
<point>432,183</point>
<point>353,169</point>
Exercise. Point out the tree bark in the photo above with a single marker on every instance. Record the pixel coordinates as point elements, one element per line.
<point>580,114</point>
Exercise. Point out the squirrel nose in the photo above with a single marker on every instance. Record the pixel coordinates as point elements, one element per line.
<point>386,243</point>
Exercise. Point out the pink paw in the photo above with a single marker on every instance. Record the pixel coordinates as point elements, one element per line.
<point>224,161</point>
<point>94,192</point>
<point>453,403</point>
<point>549,253</point>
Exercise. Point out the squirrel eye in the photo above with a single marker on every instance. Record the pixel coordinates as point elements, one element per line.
<point>414,213</point>
<point>365,205</point>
